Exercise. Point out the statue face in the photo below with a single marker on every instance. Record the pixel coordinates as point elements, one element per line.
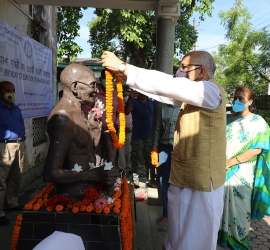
<point>86,89</point>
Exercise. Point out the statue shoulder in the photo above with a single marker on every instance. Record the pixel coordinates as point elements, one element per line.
<point>60,118</point>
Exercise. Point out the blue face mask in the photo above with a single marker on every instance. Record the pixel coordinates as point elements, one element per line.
<point>238,106</point>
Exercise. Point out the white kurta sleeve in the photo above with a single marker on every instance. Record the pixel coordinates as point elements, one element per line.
<point>165,88</point>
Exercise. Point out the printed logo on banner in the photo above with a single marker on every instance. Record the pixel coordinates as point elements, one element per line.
<point>28,49</point>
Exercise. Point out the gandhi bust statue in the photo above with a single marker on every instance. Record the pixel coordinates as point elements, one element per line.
<point>73,138</point>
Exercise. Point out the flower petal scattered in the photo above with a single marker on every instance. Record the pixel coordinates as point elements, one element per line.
<point>77,168</point>
<point>92,165</point>
<point>111,200</point>
<point>108,165</point>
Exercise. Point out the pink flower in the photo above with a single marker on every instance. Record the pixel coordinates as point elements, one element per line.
<point>101,203</point>
<point>98,113</point>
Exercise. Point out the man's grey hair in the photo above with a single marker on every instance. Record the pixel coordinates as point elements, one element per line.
<point>206,59</point>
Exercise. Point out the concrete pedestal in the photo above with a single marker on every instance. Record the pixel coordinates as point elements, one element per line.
<point>98,231</point>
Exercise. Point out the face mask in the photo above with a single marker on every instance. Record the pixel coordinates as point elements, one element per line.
<point>10,97</point>
<point>103,82</point>
<point>180,73</point>
<point>238,106</point>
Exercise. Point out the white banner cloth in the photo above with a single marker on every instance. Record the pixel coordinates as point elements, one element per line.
<point>28,65</point>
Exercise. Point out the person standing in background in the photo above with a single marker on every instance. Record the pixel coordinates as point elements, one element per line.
<point>164,120</point>
<point>12,148</point>
<point>247,188</point>
<point>141,108</point>
<point>125,151</point>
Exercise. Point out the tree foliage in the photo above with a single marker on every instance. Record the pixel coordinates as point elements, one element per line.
<point>67,30</point>
<point>244,61</point>
<point>133,33</point>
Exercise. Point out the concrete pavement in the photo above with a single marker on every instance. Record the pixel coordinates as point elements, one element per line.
<point>149,235</point>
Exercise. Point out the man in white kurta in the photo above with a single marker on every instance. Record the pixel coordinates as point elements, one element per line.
<point>194,214</point>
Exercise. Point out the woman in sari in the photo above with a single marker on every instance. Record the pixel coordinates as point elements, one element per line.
<point>247,185</point>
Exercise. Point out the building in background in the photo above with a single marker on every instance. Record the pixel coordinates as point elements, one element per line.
<point>39,23</point>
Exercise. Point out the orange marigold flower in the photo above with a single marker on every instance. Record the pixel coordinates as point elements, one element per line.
<point>106,210</point>
<point>89,208</point>
<point>16,228</point>
<point>50,190</point>
<point>98,210</point>
<point>38,196</point>
<point>116,210</point>
<point>45,202</point>
<point>117,200</point>
<point>117,194</point>
<point>36,207</point>
<point>117,204</point>
<point>69,205</point>
<point>28,206</point>
<point>18,222</point>
<point>59,208</point>
<point>19,217</point>
<point>110,206</point>
<point>82,208</point>
<point>75,210</point>
<point>49,208</point>
<point>34,200</point>
<point>40,201</point>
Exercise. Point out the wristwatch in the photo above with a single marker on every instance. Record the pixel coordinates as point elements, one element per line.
<point>122,68</point>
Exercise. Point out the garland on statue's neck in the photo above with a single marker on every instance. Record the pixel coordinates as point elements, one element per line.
<point>109,109</point>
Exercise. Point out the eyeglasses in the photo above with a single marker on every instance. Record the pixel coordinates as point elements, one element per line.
<point>91,85</point>
<point>184,66</point>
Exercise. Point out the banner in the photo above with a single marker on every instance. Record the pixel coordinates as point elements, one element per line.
<point>28,65</point>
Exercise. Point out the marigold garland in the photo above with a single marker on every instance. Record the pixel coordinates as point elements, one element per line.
<point>16,232</point>
<point>59,202</point>
<point>126,218</point>
<point>118,144</point>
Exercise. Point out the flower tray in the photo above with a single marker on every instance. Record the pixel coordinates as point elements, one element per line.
<point>114,230</point>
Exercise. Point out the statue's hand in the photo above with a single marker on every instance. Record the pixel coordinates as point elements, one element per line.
<point>109,176</point>
<point>95,128</point>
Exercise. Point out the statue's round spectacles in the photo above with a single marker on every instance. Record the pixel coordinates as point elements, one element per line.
<point>91,85</point>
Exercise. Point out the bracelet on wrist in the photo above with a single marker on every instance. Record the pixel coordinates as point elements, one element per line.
<point>238,160</point>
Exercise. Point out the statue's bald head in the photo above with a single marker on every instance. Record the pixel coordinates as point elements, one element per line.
<point>75,72</point>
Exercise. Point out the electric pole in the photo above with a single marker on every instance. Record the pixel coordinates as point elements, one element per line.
<point>195,27</point>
